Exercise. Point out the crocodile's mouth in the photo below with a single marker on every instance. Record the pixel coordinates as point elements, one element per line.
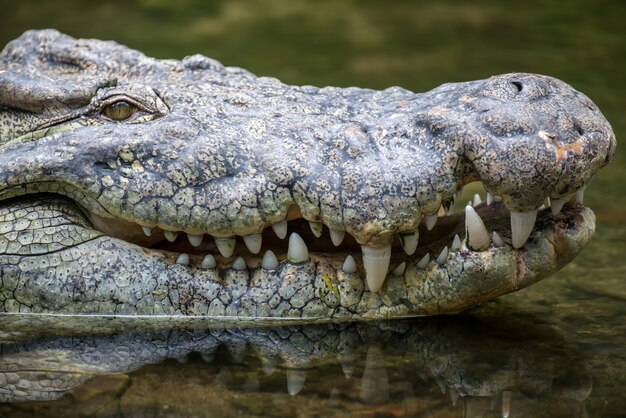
<point>482,226</point>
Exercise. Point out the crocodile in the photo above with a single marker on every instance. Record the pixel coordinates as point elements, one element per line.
<point>137,186</point>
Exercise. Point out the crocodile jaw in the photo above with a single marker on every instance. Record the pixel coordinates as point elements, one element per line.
<point>107,276</point>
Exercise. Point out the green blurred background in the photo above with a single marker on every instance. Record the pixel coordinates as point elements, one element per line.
<point>417,45</point>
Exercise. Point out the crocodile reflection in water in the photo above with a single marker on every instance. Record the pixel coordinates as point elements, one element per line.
<point>126,183</point>
<point>509,358</point>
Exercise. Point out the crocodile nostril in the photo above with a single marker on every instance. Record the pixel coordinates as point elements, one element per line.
<point>518,85</point>
<point>579,129</point>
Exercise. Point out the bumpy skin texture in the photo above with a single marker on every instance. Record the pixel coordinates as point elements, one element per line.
<point>216,150</point>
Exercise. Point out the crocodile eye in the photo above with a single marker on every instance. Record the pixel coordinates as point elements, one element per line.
<point>119,111</point>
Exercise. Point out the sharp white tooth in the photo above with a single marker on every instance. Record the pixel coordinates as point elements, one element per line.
<point>424,262</point>
<point>497,240</point>
<point>316,228</point>
<point>226,246</point>
<point>443,257</point>
<point>253,242</point>
<point>399,271</point>
<point>240,264</point>
<point>336,236</point>
<point>506,403</point>
<point>297,252</point>
<point>456,243</point>
<point>208,357</point>
<point>376,264</point>
<point>183,259</point>
<point>147,230</point>
<point>349,266</point>
<point>208,262</point>
<point>348,368</point>
<point>295,381</point>
<point>454,396</point>
<point>170,235</point>
<point>280,229</point>
<point>557,204</point>
<point>442,211</point>
<point>270,262</point>
<point>476,235</point>
<point>430,221</point>
<point>489,198</point>
<point>522,224</point>
<point>469,203</point>
<point>477,200</point>
<point>580,195</point>
<point>195,240</point>
<point>409,241</point>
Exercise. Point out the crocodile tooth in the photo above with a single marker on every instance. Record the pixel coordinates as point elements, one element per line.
<point>183,259</point>
<point>459,193</point>
<point>522,224</point>
<point>297,252</point>
<point>443,256</point>
<point>506,403</point>
<point>557,204</point>
<point>207,357</point>
<point>409,241</point>
<point>170,235</point>
<point>497,240</point>
<point>270,262</point>
<point>580,196</point>
<point>477,200</point>
<point>454,396</point>
<point>316,228</point>
<point>208,262</point>
<point>442,211</point>
<point>240,264</point>
<point>456,243</point>
<point>147,230</point>
<point>430,221</point>
<point>280,229</point>
<point>424,262</point>
<point>295,381</point>
<point>376,264</point>
<point>195,240</point>
<point>347,367</point>
<point>349,266</point>
<point>253,242</point>
<point>336,236</point>
<point>226,246</point>
<point>399,271</point>
<point>476,235</point>
<point>489,198</point>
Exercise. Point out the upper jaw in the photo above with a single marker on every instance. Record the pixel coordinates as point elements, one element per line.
<point>375,180</point>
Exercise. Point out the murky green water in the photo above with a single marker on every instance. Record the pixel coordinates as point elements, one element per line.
<point>555,349</point>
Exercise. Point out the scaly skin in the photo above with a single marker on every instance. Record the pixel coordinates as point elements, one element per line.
<point>218,151</point>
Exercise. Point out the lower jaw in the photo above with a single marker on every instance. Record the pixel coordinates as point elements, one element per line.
<point>108,276</point>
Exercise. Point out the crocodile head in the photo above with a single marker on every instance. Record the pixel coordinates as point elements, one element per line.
<point>130,185</point>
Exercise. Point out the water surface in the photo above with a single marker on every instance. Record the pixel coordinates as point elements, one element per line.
<point>555,349</point>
